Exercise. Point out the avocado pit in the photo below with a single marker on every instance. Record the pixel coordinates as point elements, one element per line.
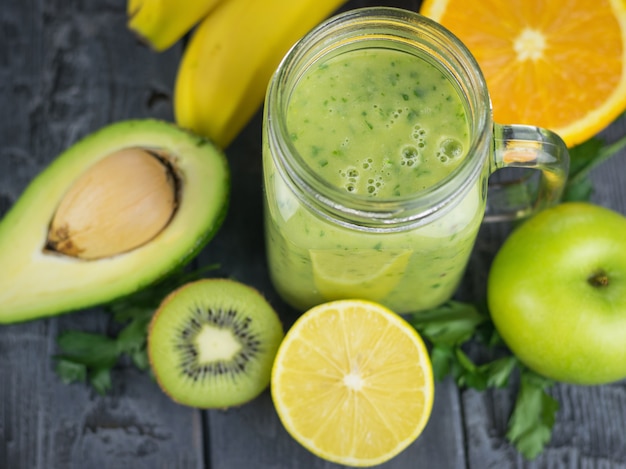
<point>119,204</point>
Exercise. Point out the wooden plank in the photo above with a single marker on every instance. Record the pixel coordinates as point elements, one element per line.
<point>135,426</point>
<point>66,69</point>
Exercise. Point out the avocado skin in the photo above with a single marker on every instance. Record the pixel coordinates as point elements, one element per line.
<point>36,283</point>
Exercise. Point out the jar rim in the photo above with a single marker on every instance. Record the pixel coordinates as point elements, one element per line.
<point>364,27</point>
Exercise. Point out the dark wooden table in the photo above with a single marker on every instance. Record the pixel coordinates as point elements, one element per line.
<point>66,69</point>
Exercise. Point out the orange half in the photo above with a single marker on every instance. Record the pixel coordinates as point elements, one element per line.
<point>558,64</point>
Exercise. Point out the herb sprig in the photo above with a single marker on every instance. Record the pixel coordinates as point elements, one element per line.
<point>584,158</point>
<point>452,327</point>
<point>87,356</point>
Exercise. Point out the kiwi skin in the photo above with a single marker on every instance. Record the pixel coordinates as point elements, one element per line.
<point>235,325</point>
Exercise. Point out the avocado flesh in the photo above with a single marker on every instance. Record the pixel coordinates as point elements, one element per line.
<point>36,282</point>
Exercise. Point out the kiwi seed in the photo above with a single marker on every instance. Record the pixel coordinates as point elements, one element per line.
<point>212,343</point>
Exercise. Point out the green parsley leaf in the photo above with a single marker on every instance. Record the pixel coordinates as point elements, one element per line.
<point>100,379</point>
<point>583,158</point>
<point>443,360</point>
<point>530,424</point>
<point>468,374</point>
<point>140,359</point>
<point>70,371</point>
<point>449,324</point>
<point>493,374</point>
<point>581,190</point>
<point>453,325</point>
<point>91,350</point>
<point>499,371</point>
<point>134,336</point>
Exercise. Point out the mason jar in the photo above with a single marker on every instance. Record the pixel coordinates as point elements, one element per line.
<point>378,143</point>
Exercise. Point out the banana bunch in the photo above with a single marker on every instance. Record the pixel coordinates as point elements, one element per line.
<point>231,56</point>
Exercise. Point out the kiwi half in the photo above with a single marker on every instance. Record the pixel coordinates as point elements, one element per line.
<point>212,343</point>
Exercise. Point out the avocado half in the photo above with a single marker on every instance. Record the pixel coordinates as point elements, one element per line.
<point>36,281</point>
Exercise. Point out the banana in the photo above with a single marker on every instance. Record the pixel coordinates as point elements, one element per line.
<point>231,57</point>
<point>161,23</point>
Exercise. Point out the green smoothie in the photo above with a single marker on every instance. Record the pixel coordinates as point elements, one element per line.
<point>379,124</point>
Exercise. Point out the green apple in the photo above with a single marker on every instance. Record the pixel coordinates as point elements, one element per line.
<point>557,293</point>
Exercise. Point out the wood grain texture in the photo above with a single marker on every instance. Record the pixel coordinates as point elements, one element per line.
<point>68,67</point>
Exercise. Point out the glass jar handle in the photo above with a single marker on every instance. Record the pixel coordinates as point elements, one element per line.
<point>524,146</point>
